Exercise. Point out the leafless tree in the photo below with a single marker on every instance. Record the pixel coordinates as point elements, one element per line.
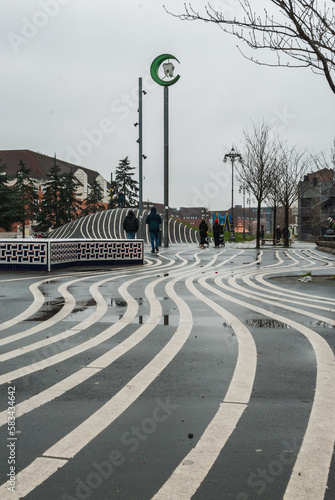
<point>292,167</point>
<point>260,161</point>
<point>298,30</point>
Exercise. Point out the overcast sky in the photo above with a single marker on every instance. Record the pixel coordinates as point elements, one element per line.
<point>69,81</point>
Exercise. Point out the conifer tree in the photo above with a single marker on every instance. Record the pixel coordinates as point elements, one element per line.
<point>93,202</point>
<point>126,185</point>
<point>27,197</point>
<point>69,205</point>
<point>50,214</point>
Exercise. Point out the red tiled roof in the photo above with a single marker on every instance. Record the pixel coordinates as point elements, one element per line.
<point>39,164</point>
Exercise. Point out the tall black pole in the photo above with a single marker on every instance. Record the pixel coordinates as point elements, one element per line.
<point>243,212</point>
<point>232,229</point>
<point>140,159</point>
<point>166,166</point>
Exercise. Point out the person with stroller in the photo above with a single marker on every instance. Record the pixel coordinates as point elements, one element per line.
<point>217,233</point>
<point>203,228</point>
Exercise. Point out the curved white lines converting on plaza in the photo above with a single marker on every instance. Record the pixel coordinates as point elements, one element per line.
<point>221,280</point>
<point>318,444</point>
<point>190,473</point>
<point>70,445</point>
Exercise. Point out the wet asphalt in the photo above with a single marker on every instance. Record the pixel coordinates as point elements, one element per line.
<point>177,395</point>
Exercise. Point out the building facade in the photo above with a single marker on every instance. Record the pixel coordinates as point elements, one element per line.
<point>316,203</point>
<point>40,164</point>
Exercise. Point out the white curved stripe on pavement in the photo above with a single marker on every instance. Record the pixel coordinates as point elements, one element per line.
<point>316,452</point>
<point>57,456</point>
<point>188,476</point>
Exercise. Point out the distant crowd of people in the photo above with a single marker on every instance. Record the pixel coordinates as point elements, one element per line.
<point>154,220</point>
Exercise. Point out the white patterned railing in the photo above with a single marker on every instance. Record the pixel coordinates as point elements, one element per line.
<point>47,254</point>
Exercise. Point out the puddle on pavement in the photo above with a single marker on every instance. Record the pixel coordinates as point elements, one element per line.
<point>271,323</point>
<point>82,305</point>
<point>321,324</point>
<point>266,323</point>
<point>49,309</point>
<point>118,302</point>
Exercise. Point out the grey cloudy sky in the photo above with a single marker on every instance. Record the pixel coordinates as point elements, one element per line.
<point>70,72</point>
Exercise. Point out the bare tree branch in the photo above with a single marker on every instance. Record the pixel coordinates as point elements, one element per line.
<point>301,30</point>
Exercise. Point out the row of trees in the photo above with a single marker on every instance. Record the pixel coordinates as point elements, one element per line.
<point>273,172</point>
<point>298,33</point>
<point>59,204</point>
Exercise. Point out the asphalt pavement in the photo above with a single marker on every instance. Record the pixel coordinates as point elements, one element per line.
<point>205,373</point>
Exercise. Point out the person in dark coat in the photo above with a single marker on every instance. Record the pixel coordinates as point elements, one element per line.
<point>262,234</point>
<point>154,220</point>
<point>278,234</point>
<point>203,228</point>
<point>130,225</point>
<point>217,230</point>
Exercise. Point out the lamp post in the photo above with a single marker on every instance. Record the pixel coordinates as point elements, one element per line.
<point>168,68</point>
<point>141,156</point>
<point>232,156</point>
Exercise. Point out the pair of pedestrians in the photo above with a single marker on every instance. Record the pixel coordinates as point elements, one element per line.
<point>154,220</point>
<point>217,233</point>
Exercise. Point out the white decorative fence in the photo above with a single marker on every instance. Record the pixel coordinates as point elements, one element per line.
<point>49,254</point>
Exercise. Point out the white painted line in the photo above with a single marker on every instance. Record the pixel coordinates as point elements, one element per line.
<point>282,291</point>
<point>190,473</point>
<point>76,440</point>
<point>310,473</point>
<point>256,296</point>
<point>38,300</point>
<point>62,356</point>
<point>23,479</point>
<point>47,362</point>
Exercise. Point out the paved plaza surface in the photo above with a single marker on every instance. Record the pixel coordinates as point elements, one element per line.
<point>205,373</point>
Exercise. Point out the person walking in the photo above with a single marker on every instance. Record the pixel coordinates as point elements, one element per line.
<point>154,220</point>
<point>278,234</point>
<point>262,234</point>
<point>217,230</point>
<point>203,229</point>
<point>130,225</point>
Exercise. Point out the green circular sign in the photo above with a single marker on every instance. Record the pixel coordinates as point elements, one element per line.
<point>154,68</point>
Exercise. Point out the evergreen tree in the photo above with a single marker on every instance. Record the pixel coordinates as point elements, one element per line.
<point>93,202</point>
<point>9,207</point>
<point>126,185</point>
<point>51,214</point>
<point>69,205</point>
<point>27,197</point>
